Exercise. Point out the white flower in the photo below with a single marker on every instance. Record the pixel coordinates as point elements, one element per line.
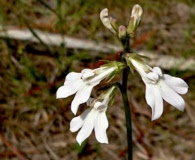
<point>83,83</point>
<point>160,86</point>
<point>94,118</point>
<point>106,20</point>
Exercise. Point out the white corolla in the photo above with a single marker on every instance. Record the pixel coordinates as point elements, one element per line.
<point>83,83</point>
<point>159,86</point>
<point>94,118</point>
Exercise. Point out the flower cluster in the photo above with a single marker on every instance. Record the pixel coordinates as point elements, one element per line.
<point>81,84</point>
<point>120,30</point>
<point>159,86</point>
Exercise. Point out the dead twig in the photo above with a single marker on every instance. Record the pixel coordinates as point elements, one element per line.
<point>10,146</point>
<point>51,152</point>
<point>52,39</point>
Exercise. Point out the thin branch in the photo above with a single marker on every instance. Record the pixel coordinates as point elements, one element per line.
<point>52,39</point>
<point>10,146</point>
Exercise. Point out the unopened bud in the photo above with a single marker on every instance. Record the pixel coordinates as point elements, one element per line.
<point>122,32</point>
<point>135,19</point>
<point>106,20</point>
<point>114,23</point>
<point>136,13</point>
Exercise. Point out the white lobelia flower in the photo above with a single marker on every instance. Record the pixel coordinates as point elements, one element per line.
<point>94,118</point>
<point>106,20</point>
<point>83,83</point>
<point>159,86</point>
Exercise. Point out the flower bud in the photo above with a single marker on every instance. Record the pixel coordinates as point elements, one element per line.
<point>135,19</point>
<point>122,32</point>
<point>137,13</point>
<point>106,20</point>
<point>114,23</point>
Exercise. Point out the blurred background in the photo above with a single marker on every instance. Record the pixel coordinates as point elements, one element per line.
<point>35,126</point>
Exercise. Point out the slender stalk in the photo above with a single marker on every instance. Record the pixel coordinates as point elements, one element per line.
<point>123,89</point>
<point>125,43</point>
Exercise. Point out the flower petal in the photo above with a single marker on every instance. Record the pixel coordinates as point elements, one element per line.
<point>150,98</point>
<point>154,100</point>
<point>81,96</point>
<point>77,122</point>
<point>177,84</point>
<point>105,72</point>
<point>152,76</point>
<point>97,105</point>
<point>89,101</point>
<point>101,126</point>
<point>71,77</point>
<point>171,96</point>
<point>86,73</point>
<point>157,70</point>
<point>69,89</point>
<point>88,126</point>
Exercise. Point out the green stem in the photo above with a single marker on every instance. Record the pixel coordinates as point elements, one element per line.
<point>123,89</point>
<point>125,43</point>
